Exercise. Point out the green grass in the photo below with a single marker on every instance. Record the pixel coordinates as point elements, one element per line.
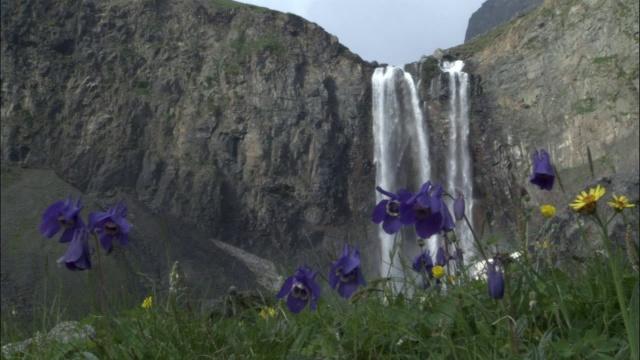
<point>554,307</point>
<point>546,312</point>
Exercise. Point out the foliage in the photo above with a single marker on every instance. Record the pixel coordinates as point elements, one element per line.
<point>546,311</point>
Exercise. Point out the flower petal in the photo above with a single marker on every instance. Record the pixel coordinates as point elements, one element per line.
<point>379,212</point>
<point>49,225</point>
<point>295,305</point>
<point>391,225</point>
<point>286,288</point>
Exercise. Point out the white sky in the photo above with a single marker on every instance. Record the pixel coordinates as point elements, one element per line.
<point>388,31</point>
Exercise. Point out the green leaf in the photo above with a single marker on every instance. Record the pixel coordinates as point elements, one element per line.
<point>633,319</point>
<point>301,340</point>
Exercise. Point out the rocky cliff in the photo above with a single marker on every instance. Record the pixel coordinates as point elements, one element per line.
<point>215,119</point>
<point>564,77</point>
<point>493,13</point>
<point>252,125</point>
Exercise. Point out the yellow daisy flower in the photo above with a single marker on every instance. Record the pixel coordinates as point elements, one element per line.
<point>587,202</point>
<point>147,303</point>
<point>620,203</point>
<point>270,312</point>
<point>438,271</point>
<point>548,210</point>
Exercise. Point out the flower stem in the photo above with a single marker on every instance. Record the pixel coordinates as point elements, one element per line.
<point>613,263</point>
<point>102,289</point>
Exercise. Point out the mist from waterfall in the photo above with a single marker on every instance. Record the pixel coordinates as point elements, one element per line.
<point>459,169</point>
<point>401,150</point>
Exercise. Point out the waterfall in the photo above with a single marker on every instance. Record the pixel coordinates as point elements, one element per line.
<point>401,151</point>
<point>459,170</point>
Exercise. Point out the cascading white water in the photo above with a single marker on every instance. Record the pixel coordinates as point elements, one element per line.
<point>401,150</point>
<point>459,170</point>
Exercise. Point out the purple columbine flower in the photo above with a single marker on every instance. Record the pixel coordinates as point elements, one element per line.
<point>458,207</point>
<point>62,215</point>
<point>301,289</point>
<point>387,212</point>
<point>441,257</point>
<point>425,209</point>
<point>345,274</point>
<point>423,262</point>
<point>111,225</point>
<point>543,174</point>
<point>78,255</point>
<point>495,282</point>
<point>447,219</point>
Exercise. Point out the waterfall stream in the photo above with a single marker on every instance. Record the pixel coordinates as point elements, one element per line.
<point>459,169</point>
<point>401,150</point>
<point>402,156</point>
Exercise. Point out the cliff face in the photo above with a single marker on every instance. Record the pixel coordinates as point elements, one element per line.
<point>249,124</point>
<point>493,13</point>
<point>564,78</point>
<point>254,127</point>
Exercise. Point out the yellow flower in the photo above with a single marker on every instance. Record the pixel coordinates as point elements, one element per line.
<point>587,202</point>
<point>548,210</point>
<point>620,203</point>
<point>271,312</point>
<point>438,271</point>
<point>147,302</point>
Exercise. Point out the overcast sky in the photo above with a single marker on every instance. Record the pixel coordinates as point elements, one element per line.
<point>388,31</point>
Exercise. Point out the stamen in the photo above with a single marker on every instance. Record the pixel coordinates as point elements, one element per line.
<point>393,208</point>
<point>345,277</point>
<point>110,228</point>
<point>65,224</point>
<point>299,291</point>
<point>420,212</point>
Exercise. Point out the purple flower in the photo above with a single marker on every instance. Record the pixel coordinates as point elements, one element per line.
<point>543,174</point>
<point>301,289</point>
<point>495,281</point>
<point>345,274</point>
<point>78,255</point>
<point>427,210</point>
<point>447,223</point>
<point>458,257</point>
<point>111,225</point>
<point>387,212</point>
<point>423,262</point>
<point>458,206</point>
<point>441,257</point>
<point>62,215</point>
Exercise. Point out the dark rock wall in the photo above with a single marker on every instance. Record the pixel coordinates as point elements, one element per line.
<point>493,13</point>
<point>563,78</point>
<point>251,125</point>
<point>254,126</point>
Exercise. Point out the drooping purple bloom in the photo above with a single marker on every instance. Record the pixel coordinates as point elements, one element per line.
<point>301,289</point>
<point>111,225</point>
<point>458,207</point>
<point>78,255</point>
<point>62,215</point>
<point>425,209</point>
<point>441,257</point>
<point>345,274</point>
<point>447,219</point>
<point>387,212</point>
<point>423,263</point>
<point>495,281</point>
<point>542,174</point>
<point>458,258</point>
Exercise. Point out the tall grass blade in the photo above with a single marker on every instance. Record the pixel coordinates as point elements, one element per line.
<point>593,175</point>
